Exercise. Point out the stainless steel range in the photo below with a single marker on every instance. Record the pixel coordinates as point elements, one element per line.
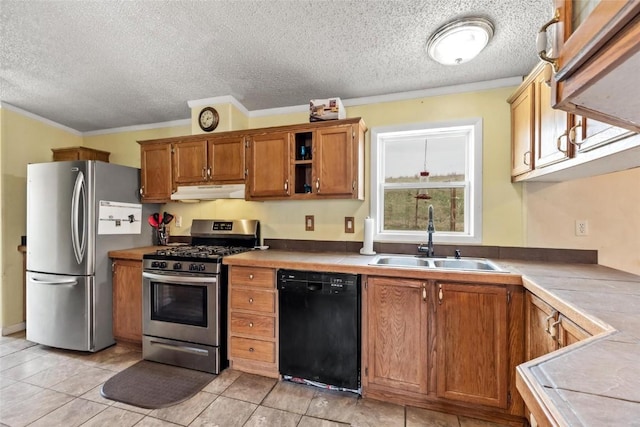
<point>184,293</point>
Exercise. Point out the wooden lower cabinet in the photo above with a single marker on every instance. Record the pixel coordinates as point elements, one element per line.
<point>127,300</point>
<point>397,357</point>
<point>444,345</point>
<point>253,321</point>
<point>547,329</point>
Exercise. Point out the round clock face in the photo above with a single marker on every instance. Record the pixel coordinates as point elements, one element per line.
<point>208,119</point>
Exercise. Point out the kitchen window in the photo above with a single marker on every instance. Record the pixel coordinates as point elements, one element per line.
<point>417,165</point>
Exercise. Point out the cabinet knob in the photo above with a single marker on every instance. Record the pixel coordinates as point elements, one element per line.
<point>251,324</point>
<point>317,185</point>
<point>209,172</point>
<point>204,172</point>
<point>251,277</point>
<point>251,350</point>
<point>142,191</point>
<point>424,291</point>
<point>286,186</point>
<point>250,300</point>
<point>524,157</point>
<point>541,41</point>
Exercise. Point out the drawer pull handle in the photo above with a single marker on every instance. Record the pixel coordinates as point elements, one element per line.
<point>250,300</point>
<point>251,350</point>
<point>251,324</point>
<point>541,41</point>
<point>251,277</point>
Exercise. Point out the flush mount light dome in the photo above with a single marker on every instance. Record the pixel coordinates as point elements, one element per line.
<point>460,41</point>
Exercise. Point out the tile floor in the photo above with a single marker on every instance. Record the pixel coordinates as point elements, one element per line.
<point>41,386</point>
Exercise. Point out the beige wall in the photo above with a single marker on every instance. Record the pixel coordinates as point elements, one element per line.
<point>532,214</point>
<point>123,146</point>
<point>611,205</point>
<point>24,140</point>
<point>502,207</point>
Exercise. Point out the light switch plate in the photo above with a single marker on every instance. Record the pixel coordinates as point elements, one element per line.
<point>348,224</point>
<point>309,222</point>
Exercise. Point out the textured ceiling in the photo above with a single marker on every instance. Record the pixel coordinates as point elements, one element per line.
<point>93,65</point>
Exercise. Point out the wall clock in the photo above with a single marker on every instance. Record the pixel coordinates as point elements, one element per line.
<point>208,119</point>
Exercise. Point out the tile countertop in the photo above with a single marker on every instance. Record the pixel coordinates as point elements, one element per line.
<point>594,382</point>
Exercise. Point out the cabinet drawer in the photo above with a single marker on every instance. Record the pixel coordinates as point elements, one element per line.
<point>254,300</point>
<point>253,276</point>
<point>263,351</point>
<point>253,324</point>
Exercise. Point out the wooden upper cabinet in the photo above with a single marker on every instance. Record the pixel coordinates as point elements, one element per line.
<point>79,153</point>
<point>397,334</point>
<point>226,159</point>
<point>522,131</point>
<point>472,344</point>
<point>269,165</point>
<point>598,58</point>
<point>190,162</point>
<point>156,177</point>
<point>209,161</point>
<point>551,125</point>
<point>335,161</point>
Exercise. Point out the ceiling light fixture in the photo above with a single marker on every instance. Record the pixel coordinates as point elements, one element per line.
<point>460,41</point>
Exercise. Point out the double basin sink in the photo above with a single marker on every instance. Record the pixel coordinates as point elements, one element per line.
<point>473,264</point>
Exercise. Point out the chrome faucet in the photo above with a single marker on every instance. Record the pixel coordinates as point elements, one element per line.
<point>428,249</point>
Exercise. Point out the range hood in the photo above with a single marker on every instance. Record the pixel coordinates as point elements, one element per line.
<point>209,192</point>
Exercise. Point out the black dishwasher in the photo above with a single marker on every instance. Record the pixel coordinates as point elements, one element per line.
<point>320,327</point>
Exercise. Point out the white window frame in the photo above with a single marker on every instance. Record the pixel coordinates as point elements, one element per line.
<point>473,188</point>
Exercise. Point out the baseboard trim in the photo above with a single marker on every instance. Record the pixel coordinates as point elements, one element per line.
<point>14,328</point>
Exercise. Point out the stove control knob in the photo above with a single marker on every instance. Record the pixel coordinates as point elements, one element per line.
<point>202,267</point>
<point>177,266</point>
<point>163,264</point>
<point>193,267</point>
<point>154,264</point>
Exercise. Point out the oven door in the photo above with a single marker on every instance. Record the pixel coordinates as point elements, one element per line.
<point>185,308</point>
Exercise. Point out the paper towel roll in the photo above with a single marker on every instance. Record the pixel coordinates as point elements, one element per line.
<point>367,244</point>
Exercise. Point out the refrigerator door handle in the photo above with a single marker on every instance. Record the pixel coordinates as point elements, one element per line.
<point>79,242</point>
<point>71,282</point>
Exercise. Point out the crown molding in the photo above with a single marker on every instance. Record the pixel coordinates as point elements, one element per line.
<point>134,128</point>
<point>229,99</point>
<point>39,118</point>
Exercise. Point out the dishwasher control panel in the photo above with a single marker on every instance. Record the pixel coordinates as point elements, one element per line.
<point>314,281</point>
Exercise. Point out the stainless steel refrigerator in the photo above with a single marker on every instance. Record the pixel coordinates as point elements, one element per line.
<point>78,211</point>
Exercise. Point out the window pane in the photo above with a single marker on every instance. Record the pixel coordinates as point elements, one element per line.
<point>425,158</point>
<point>408,209</point>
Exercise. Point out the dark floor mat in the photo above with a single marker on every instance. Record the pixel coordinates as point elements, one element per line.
<point>154,385</point>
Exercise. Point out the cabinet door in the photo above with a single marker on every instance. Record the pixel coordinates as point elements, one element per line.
<point>472,344</point>
<point>333,161</point>
<point>156,176</point>
<point>598,60</point>
<point>522,119</point>
<point>570,333</point>
<point>539,318</point>
<point>269,166</point>
<point>127,300</point>
<point>226,159</point>
<point>190,162</point>
<point>397,334</point>
<point>552,125</point>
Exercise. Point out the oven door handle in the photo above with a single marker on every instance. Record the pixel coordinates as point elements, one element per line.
<point>164,278</point>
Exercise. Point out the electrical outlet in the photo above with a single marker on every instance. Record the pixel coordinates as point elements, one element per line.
<point>582,227</point>
<point>348,224</point>
<point>309,222</point>
<point>178,221</point>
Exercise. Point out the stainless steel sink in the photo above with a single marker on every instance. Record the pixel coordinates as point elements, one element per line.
<point>465,264</point>
<point>477,264</point>
<point>402,261</point>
